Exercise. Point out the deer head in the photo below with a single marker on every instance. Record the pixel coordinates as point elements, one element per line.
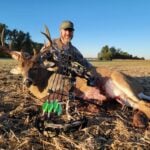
<point>29,66</point>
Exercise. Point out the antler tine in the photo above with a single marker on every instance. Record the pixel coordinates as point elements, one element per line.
<point>47,31</point>
<point>49,39</point>
<point>46,45</point>
<point>10,45</point>
<point>34,52</point>
<point>22,53</point>
<point>2,47</point>
<point>2,37</point>
<point>47,34</point>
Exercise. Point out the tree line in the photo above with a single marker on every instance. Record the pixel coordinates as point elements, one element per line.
<point>20,41</point>
<point>107,53</point>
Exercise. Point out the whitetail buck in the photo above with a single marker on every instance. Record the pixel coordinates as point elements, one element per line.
<point>115,85</point>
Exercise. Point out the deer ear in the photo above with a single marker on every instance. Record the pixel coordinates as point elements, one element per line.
<point>15,70</point>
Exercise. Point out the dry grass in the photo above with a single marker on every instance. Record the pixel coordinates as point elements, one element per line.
<point>110,129</point>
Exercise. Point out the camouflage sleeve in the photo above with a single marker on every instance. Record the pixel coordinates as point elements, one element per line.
<point>80,59</point>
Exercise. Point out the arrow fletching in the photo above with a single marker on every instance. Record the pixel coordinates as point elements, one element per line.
<point>59,110</point>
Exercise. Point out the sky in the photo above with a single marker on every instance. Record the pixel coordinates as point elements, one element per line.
<point>123,24</point>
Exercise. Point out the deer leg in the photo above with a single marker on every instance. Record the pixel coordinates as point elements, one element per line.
<point>124,106</point>
<point>140,120</point>
<point>143,96</point>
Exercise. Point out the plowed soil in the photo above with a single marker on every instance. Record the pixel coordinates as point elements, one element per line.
<point>110,128</point>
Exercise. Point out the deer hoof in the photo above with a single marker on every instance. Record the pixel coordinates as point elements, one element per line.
<point>140,120</point>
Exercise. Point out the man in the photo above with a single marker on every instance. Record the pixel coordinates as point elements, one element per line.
<point>64,43</point>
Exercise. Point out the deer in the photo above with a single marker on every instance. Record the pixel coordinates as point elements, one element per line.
<point>115,85</point>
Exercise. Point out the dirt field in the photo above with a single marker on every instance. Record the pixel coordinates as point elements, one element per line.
<point>110,129</point>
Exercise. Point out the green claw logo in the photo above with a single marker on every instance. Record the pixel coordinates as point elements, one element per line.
<point>52,106</point>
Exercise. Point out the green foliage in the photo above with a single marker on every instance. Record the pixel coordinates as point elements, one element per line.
<point>19,40</point>
<point>107,53</point>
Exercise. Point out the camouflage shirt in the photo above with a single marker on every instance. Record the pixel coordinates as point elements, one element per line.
<point>73,51</point>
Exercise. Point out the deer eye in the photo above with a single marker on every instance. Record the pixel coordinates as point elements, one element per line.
<point>35,69</point>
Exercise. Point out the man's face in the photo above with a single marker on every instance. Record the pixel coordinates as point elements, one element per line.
<point>66,35</point>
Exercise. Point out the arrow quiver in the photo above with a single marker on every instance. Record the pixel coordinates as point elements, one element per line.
<point>63,73</point>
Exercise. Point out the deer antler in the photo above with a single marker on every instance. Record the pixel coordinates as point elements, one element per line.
<point>14,54</point>
<point>2,37</point>
<point>2,47</point>
<point>49,44</point>
<point>47,34</point>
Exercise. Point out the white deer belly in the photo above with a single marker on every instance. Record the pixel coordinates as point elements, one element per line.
<point>112,91</point>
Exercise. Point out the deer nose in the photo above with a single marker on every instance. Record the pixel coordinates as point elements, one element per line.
<point>28,83</point>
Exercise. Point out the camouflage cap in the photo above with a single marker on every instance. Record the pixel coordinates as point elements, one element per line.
<point>67,25</point>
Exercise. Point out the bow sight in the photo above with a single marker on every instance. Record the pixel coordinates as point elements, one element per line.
<point>68,66</point>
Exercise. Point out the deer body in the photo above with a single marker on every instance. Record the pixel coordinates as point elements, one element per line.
<point>115,85</point>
